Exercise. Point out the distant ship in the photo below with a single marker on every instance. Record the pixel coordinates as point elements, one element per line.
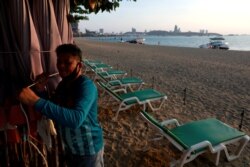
<point>137,41</point>
<point>216,43</point>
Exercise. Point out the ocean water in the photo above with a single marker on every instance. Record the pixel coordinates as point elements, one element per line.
<point>237,42</point>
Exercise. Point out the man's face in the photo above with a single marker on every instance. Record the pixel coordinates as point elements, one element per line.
<point>66,64</point>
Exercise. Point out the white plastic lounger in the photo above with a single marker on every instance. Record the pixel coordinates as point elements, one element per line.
<point>198,137</point>
<point>98,67</point>
<point>91,65</point>
<point>86,61</point>
<point>128,83</point>
<point>143,97</point>
<point>110,75</point>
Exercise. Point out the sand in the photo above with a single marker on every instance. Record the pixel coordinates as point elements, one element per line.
<point>217,84</point>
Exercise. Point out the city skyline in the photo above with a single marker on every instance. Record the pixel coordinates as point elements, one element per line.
<point>224,17</point>
<point>133,30</point>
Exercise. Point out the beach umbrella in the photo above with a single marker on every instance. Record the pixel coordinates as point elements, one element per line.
<point>20,51</point>
<point>62,10</point>
<point>28,48</point>
<point>30,31</point>
<point>48,33</point>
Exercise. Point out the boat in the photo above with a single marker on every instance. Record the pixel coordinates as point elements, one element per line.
<point>216,43</point>
<point>137,41</point>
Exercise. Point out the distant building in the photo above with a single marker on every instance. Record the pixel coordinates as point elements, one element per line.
<point>176,29</point>
<point>202,31</point>
<point>90,33</point>
<point>101,31</point>
<point>133,30</point>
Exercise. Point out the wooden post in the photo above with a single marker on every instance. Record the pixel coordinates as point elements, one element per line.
<point>153,82</point>
<point>242,118</point>
<point>184,96</point>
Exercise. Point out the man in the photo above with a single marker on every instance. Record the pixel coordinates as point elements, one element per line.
<point>73,109</point>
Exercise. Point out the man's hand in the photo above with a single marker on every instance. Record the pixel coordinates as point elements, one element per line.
<point>28,97</point>
<point>41,81</point>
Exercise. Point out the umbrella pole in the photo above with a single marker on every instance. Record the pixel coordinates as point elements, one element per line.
<point>50,76</point>
<point>5,158</point>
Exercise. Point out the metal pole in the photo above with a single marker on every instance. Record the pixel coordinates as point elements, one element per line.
<point>242,117</point>
<point>184,96</point>
<point>153,82</point>
<point>50,76</point>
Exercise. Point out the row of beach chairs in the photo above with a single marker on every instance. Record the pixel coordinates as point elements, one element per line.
<point>192,139</point>
<point>127,91</point>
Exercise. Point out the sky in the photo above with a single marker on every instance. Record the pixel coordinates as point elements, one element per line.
<point>218,16</point>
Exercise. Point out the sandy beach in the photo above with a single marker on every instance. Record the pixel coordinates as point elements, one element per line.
<point>217,84</point>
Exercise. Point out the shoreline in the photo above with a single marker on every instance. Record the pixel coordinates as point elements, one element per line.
<point>179,41</point>
<point>216,83</point>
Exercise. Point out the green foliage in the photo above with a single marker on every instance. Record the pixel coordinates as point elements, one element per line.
<point>80,8</point>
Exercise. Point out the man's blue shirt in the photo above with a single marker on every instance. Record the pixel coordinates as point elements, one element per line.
<point>75,113</point>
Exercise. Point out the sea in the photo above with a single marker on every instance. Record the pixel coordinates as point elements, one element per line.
<point>235,42</point>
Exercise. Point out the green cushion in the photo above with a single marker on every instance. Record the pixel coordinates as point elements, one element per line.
<point>111,72</point>
<point>157,123</point>
<point>115,72</point>
<point>101,65</point>
<point>124,81</point>
<point>92,61</point>
<point>142,95</point>
<point>109,90</point>
<point>210,129</point>
<point>131,80</point>
<point>192,133</point>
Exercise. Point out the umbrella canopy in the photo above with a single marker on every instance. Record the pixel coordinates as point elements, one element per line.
<point>62,9</point>
<point>31,31</point>
<point>16,65</point>
<point>50,38</point>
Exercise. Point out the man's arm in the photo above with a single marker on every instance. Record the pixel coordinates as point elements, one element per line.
<point>72,117</point>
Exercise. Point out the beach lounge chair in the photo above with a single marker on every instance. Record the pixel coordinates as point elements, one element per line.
<point>86,61</point>
<point>110,75</point>
<point>97,67</point>
<point>128,83</point>
<point>104,70</point>
<point>197,137</point>
<point>142,98</point>
<point>88,66</point>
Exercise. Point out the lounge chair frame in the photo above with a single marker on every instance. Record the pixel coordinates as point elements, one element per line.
<point>96,67</point>
<point>134,84</point>
<point>192,152</point>
<point>110,75</point>
<point>125,103</point>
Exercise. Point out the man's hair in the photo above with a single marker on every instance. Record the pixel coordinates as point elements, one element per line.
<point>70,49</point>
